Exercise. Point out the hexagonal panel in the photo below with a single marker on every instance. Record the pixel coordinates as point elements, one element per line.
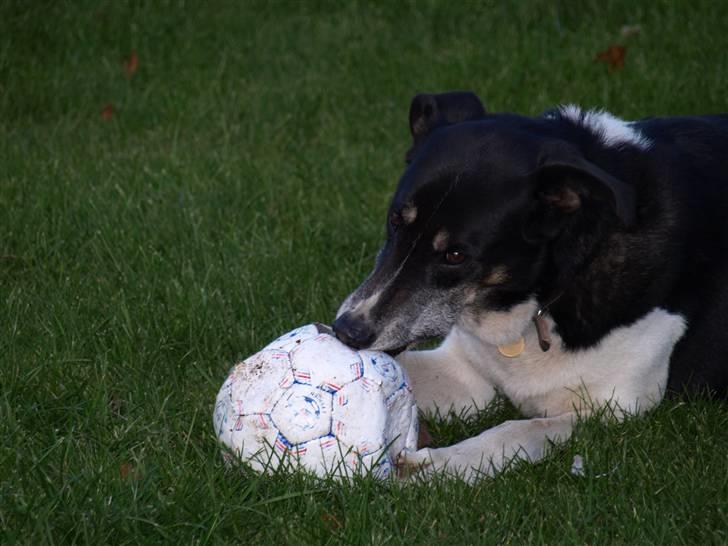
<point>319,456</point>
<point>325,362</point>
<point>322,455</point>
<point>258,383</point>
<point>223,406</point>
<point>378,463</point>
<point>251,438</point>
<point>221,415</point>
<point>293,338</point>
<point>402,427</point>
<point>383,368</point>
<point>360,416</point>
<point>303,413</point>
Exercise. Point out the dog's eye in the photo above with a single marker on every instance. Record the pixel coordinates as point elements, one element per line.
<point>454,257</point>
<point>395,219</point>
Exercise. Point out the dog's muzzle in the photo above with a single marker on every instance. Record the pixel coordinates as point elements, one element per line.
<point>354,332</point>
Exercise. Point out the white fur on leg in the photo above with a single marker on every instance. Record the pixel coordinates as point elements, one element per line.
<point>444,379</point>
<point>493,449</point>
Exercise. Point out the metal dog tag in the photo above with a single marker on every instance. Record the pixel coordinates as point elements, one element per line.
<point>512,350</point>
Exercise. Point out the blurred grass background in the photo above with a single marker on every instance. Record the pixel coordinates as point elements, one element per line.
<point>157,226</point>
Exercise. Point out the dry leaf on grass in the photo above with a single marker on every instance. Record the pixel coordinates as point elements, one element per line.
<point>127,471</point>
<point>131,64</point>
<point>108,112</point>
<point>332,521</point>
<point>614,56</point>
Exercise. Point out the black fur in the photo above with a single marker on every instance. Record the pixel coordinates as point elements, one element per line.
<point>602,233</point>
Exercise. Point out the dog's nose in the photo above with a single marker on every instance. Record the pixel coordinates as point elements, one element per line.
<point>354,332</point>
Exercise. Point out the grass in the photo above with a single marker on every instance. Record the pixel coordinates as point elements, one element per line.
<point>238,190</point>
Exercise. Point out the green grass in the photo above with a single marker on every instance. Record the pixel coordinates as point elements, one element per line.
<point>239,190</point>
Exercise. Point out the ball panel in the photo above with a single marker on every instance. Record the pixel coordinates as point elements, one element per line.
<point>326,456</point>
<point>223,407</point>
<point>378,463</point>
<point>303,413</point>
<point>383,368</point>
<point>325,362</point>
<point>220,419</point>
<point>252,437</point>
<point>258,382</point>
<point>359,416</point>
<point>402,425</point>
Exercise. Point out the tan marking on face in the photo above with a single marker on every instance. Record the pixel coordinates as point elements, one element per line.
<point>498,275</point>
<point>409,214</point>
<point>442,237</point>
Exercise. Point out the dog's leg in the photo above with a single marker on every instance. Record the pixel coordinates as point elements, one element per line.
<point>444,379</point>
<point>492,450</point>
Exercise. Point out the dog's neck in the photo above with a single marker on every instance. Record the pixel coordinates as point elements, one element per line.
<point>539,320</point>
<point>605,294</point>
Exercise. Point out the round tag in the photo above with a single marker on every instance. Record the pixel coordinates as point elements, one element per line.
<point>512,350</point>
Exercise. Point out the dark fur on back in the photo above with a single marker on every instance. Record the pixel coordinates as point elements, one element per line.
<point>676,254</point>
<point>601,232</point>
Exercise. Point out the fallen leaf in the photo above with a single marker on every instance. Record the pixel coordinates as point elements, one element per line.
<point>127,471</point>
<point>614,56</point>
<point>131,64</point>
<point>332,521</point>
<point>108,112</point>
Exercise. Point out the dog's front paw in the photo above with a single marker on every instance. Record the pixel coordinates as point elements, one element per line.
<point>413,463</point>
<point>424,463</point>
<point>447,461</point>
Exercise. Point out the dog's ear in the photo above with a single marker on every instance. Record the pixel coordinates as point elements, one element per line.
<point>565,183</point>
<point>429,111</point>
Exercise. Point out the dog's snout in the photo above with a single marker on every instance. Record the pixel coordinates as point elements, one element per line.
<point>354,332</point>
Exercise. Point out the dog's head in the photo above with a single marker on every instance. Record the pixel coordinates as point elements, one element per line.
<point>488,208</point>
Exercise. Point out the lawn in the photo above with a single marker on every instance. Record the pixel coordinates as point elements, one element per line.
<point>166,215</point>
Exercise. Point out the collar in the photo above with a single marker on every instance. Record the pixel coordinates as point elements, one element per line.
<point>542,328</point>
<point>513,350</point>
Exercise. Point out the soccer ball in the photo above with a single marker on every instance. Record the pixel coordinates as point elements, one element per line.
<point>309,400</point>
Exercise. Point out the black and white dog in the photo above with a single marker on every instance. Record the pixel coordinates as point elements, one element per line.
<point>572,261</point>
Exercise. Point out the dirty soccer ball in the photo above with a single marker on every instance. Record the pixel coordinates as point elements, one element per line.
<point>309,400</point>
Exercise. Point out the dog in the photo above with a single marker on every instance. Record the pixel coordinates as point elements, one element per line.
<point>570,261</point>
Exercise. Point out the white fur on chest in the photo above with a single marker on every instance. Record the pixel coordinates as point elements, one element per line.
<point>628,369</point>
